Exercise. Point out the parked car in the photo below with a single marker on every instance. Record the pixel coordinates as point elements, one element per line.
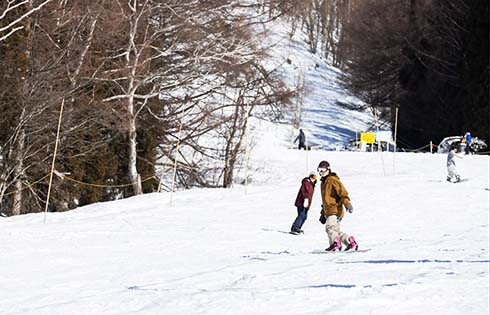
<point>446,143</point>
<point>478,145</point>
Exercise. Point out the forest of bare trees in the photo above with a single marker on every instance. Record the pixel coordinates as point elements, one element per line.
<point>137,79</point>
<point>429,58</point>
<point>151,86</point>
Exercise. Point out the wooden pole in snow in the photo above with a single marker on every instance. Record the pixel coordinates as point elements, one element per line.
<point>355,143</point>
<point>396,129</point>
<point>246,147</point>
<point>175,159</point>
<point>306,149</point>
<point>54,159</point>
<point>396,125</point>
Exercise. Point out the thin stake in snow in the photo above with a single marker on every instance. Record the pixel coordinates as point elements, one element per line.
<point>177,147</point>
<point>246,147</point>
<point>394,151</point>
<point>380,149</point>
<point>54,159</point>
<point>307,148</point>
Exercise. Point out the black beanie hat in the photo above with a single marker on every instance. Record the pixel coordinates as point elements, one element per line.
<point>324,164</point>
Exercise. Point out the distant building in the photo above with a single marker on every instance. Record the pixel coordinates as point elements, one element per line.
<point>381,140</point>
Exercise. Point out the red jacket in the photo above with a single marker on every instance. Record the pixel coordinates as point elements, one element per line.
<point>305,192</point>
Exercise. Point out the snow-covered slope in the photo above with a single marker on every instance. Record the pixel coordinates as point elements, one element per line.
<point>326,123</point>
<point>228,251</point>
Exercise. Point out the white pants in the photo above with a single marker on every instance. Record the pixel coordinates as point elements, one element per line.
<point>332,226</point>
<point>452,172</point>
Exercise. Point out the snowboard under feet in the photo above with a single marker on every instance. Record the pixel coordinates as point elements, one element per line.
<point>322,251</point>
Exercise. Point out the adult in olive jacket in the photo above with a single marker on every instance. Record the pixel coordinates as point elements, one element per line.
<point>334,199</point>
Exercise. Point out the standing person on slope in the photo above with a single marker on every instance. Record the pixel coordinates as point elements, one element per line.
<point>334,198</point>
<point>467,139</point>
<point>451,164</point>
<point>302,139</point>
<point>303,202</point>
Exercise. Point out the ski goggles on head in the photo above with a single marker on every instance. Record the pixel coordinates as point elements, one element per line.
<point>322,170</point>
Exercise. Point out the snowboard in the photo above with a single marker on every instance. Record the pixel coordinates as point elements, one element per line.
<point>452,182</point>
<point>322,251</point>
<point>461,180</point>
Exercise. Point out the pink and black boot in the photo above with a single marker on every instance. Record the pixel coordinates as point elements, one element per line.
<point>352,244</point>
<point>335,246</point>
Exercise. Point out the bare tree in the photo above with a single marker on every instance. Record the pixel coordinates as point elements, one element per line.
<point>42,65</point>
<point>14,15</point>
<point>131,73</point>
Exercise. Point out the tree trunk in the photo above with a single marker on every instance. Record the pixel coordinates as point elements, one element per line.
<point>133,172</point>
<point>24,68</point>
<point>17,198</point>
<point>230,156</point>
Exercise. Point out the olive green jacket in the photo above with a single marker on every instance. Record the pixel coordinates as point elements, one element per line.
<point>334,196</point>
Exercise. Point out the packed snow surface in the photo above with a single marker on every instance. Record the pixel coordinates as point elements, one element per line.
<point>228,251</point>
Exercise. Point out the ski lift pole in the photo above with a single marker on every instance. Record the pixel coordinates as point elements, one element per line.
<point>54,159</point>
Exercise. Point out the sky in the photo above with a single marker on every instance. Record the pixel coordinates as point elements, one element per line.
<point>228,251</point>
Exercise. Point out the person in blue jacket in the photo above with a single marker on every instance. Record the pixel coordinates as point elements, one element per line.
<point>468,139</point>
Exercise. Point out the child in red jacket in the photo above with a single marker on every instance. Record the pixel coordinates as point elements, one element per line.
<point>303,202</point>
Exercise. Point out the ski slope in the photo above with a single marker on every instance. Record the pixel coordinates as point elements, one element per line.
<point>228,251</point>
<point>326,123</point>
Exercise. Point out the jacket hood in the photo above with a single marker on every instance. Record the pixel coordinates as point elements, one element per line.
<point>331,174</point>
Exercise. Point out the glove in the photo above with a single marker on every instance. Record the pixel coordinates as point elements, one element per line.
<point>350,209</point>
<point>322,219</point>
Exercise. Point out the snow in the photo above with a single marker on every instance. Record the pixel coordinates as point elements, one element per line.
<point>326,124</point>
<point>224,251</point>
<point>228,251</point>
